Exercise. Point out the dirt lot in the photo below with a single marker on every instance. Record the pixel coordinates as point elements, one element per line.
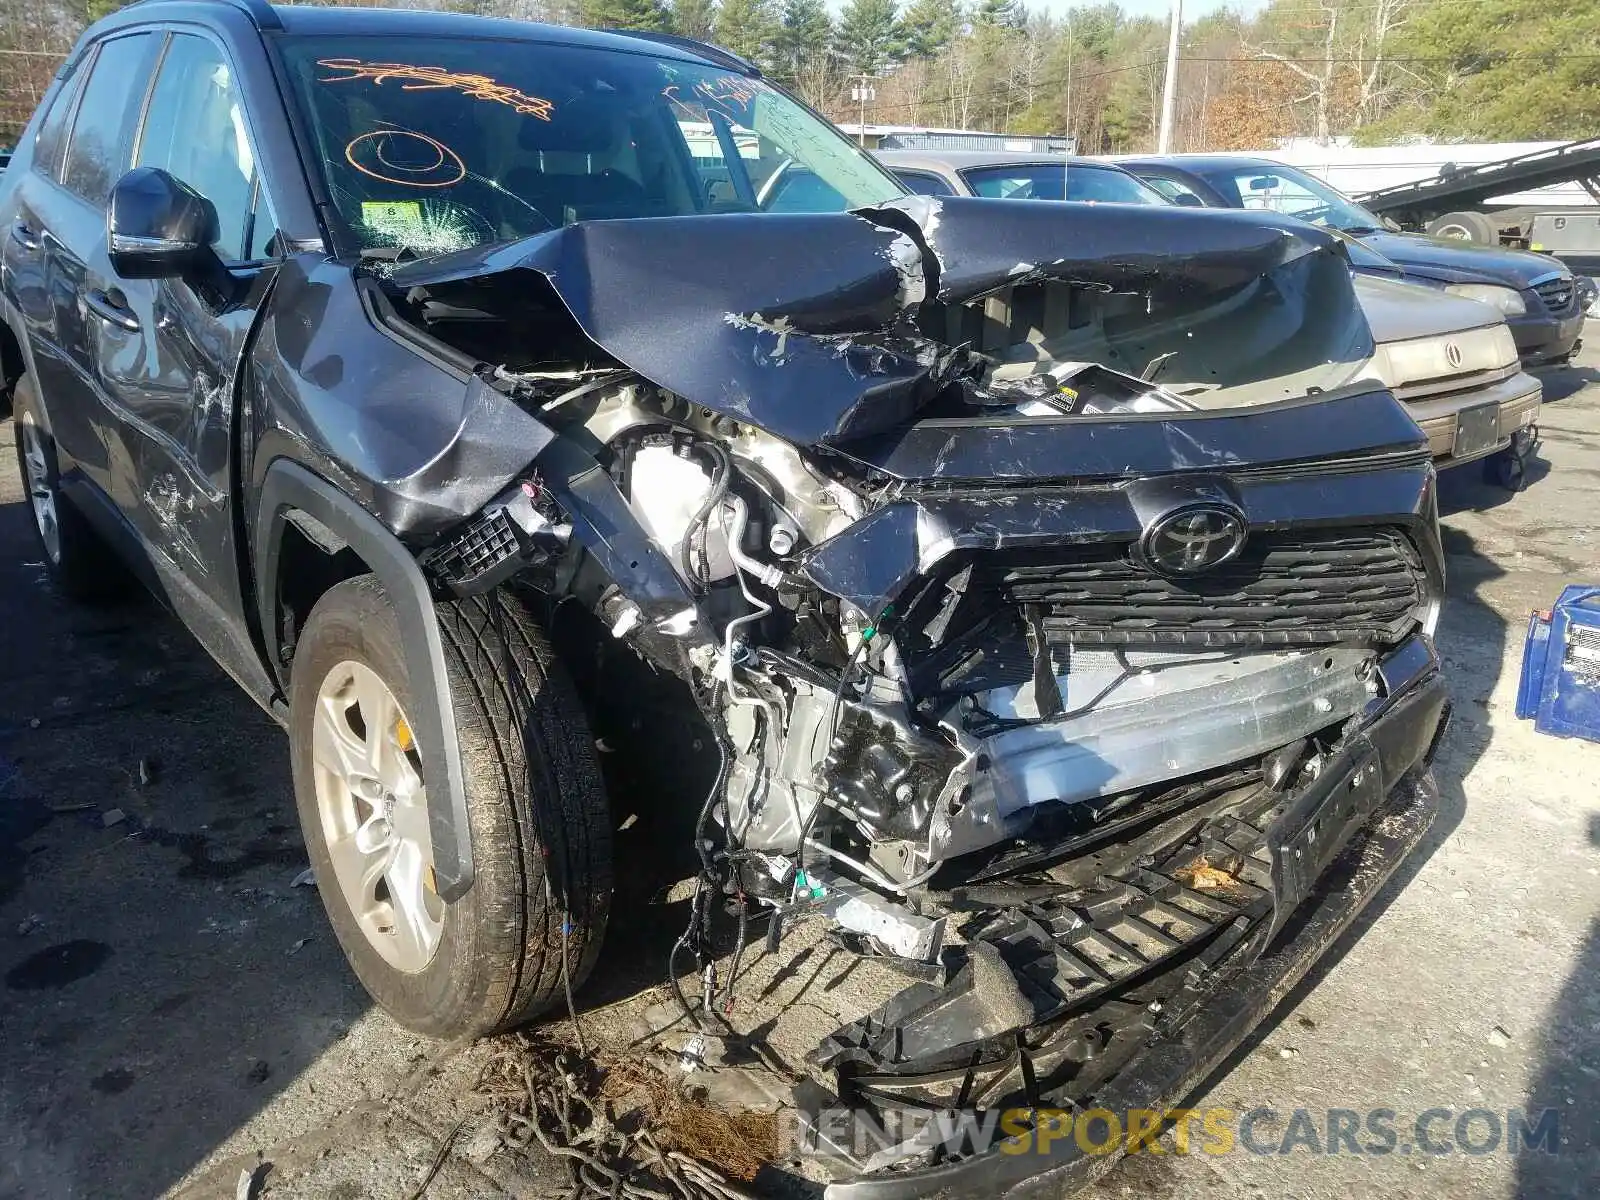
<point>174,1009</point>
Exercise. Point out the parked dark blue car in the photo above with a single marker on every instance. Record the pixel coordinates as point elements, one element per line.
<point>1543,303</point>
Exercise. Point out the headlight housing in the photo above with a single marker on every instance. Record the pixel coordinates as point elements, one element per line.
<point>1507,300</point>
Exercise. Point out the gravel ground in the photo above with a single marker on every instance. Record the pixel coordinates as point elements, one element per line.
<point>174,1010</point>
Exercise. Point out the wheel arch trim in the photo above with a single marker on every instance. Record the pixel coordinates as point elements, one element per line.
<point>15,329</point>
<point>288,486</point>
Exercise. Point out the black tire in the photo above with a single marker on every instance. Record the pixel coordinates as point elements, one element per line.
<point>1466,227</point>
<point>1506,469</point>
<point>80,563</point>
<point>537,812</point>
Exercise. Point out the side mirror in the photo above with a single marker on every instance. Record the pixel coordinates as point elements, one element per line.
<point>157,227</point>
<point>1188,200</point>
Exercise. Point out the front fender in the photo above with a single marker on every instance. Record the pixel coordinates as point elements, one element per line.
<point>288,486</point>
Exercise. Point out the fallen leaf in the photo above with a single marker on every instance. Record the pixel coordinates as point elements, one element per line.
<point>1205,877</point>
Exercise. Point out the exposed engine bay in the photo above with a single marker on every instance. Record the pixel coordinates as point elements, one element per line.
<point>974,564</point>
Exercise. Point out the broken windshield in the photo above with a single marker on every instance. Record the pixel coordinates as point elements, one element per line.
<point>436,146</point>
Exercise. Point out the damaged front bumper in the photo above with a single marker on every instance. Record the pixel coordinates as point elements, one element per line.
<point>1123,990</point>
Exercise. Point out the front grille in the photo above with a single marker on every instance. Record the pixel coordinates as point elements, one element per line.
<point>1556,293</point>
<point>1283,589</point>
<point>1074,949</point>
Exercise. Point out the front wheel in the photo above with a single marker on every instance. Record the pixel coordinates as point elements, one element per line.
<point>532,922</point>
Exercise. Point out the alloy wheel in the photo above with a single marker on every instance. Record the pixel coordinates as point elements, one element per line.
<point>41,488</point>
<point>374,813</point>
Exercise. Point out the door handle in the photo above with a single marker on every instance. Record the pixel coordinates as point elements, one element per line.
<point>24,236</point>
<point>114,311</point>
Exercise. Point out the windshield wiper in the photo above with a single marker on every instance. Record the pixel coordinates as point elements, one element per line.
<point>1362,230</point>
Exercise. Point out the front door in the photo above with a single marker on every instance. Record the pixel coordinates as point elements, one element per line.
<point>168,356</point>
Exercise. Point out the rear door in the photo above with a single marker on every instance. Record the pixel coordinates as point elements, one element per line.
<point>38,275</point>
<point>86,303</point>
<point>169,361</point>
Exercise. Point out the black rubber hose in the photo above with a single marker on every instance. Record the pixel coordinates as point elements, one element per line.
<point>738,953</point>
<point>721,479</point>
<point>695,931</point>
<point>672,961</point>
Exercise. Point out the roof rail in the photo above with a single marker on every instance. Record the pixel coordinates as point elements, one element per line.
<point>716,54</point>
<point>259,11</point>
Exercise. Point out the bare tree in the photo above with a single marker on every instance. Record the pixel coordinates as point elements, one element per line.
<point>1382,82</point>
<point>1320,76</point>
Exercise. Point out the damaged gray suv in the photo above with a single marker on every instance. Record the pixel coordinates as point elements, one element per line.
<point>434,369</point>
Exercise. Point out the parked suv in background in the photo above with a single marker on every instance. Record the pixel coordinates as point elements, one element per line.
<point>450,381</point>
<point>1543,303</point>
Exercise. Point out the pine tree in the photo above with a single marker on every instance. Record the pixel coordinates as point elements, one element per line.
<point>930,26</point>
<point>624,14</point>
<point>748,28</point>
<point>804,36</point>
<point>1003,14</point>
<point>694,18</point>
<point>869,36</point>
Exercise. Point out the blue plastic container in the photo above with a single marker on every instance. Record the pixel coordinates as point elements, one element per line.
<point>1560,685</point>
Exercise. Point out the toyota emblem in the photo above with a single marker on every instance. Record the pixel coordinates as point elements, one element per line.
<point>1192,540</point>
<point>1452,354</point>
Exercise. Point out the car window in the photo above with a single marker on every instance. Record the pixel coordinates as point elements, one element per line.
<point>925,183</point>
<point>1273,192</point>
<point>798,190</point>
<point>52,139</point>
<point>195,130</point>
<point>1175,191</point>
<point>101,143</point>
<point>263,228</point>
<point>1287,190</point>
<point>777,186</point>
<point>439,145</point>
<point>1078,182</point>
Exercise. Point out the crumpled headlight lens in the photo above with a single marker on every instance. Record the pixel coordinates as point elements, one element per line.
<point>1507,300</point>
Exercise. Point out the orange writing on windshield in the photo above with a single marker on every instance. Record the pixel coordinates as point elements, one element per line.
<point>730,95</point>
<point>419,78</point>
<point>726,89</point>
<point>437,167</point>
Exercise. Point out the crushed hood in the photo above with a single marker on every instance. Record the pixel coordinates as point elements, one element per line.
<point>817,328</point>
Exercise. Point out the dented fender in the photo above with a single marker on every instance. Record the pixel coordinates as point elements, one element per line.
<point>421,444</point>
